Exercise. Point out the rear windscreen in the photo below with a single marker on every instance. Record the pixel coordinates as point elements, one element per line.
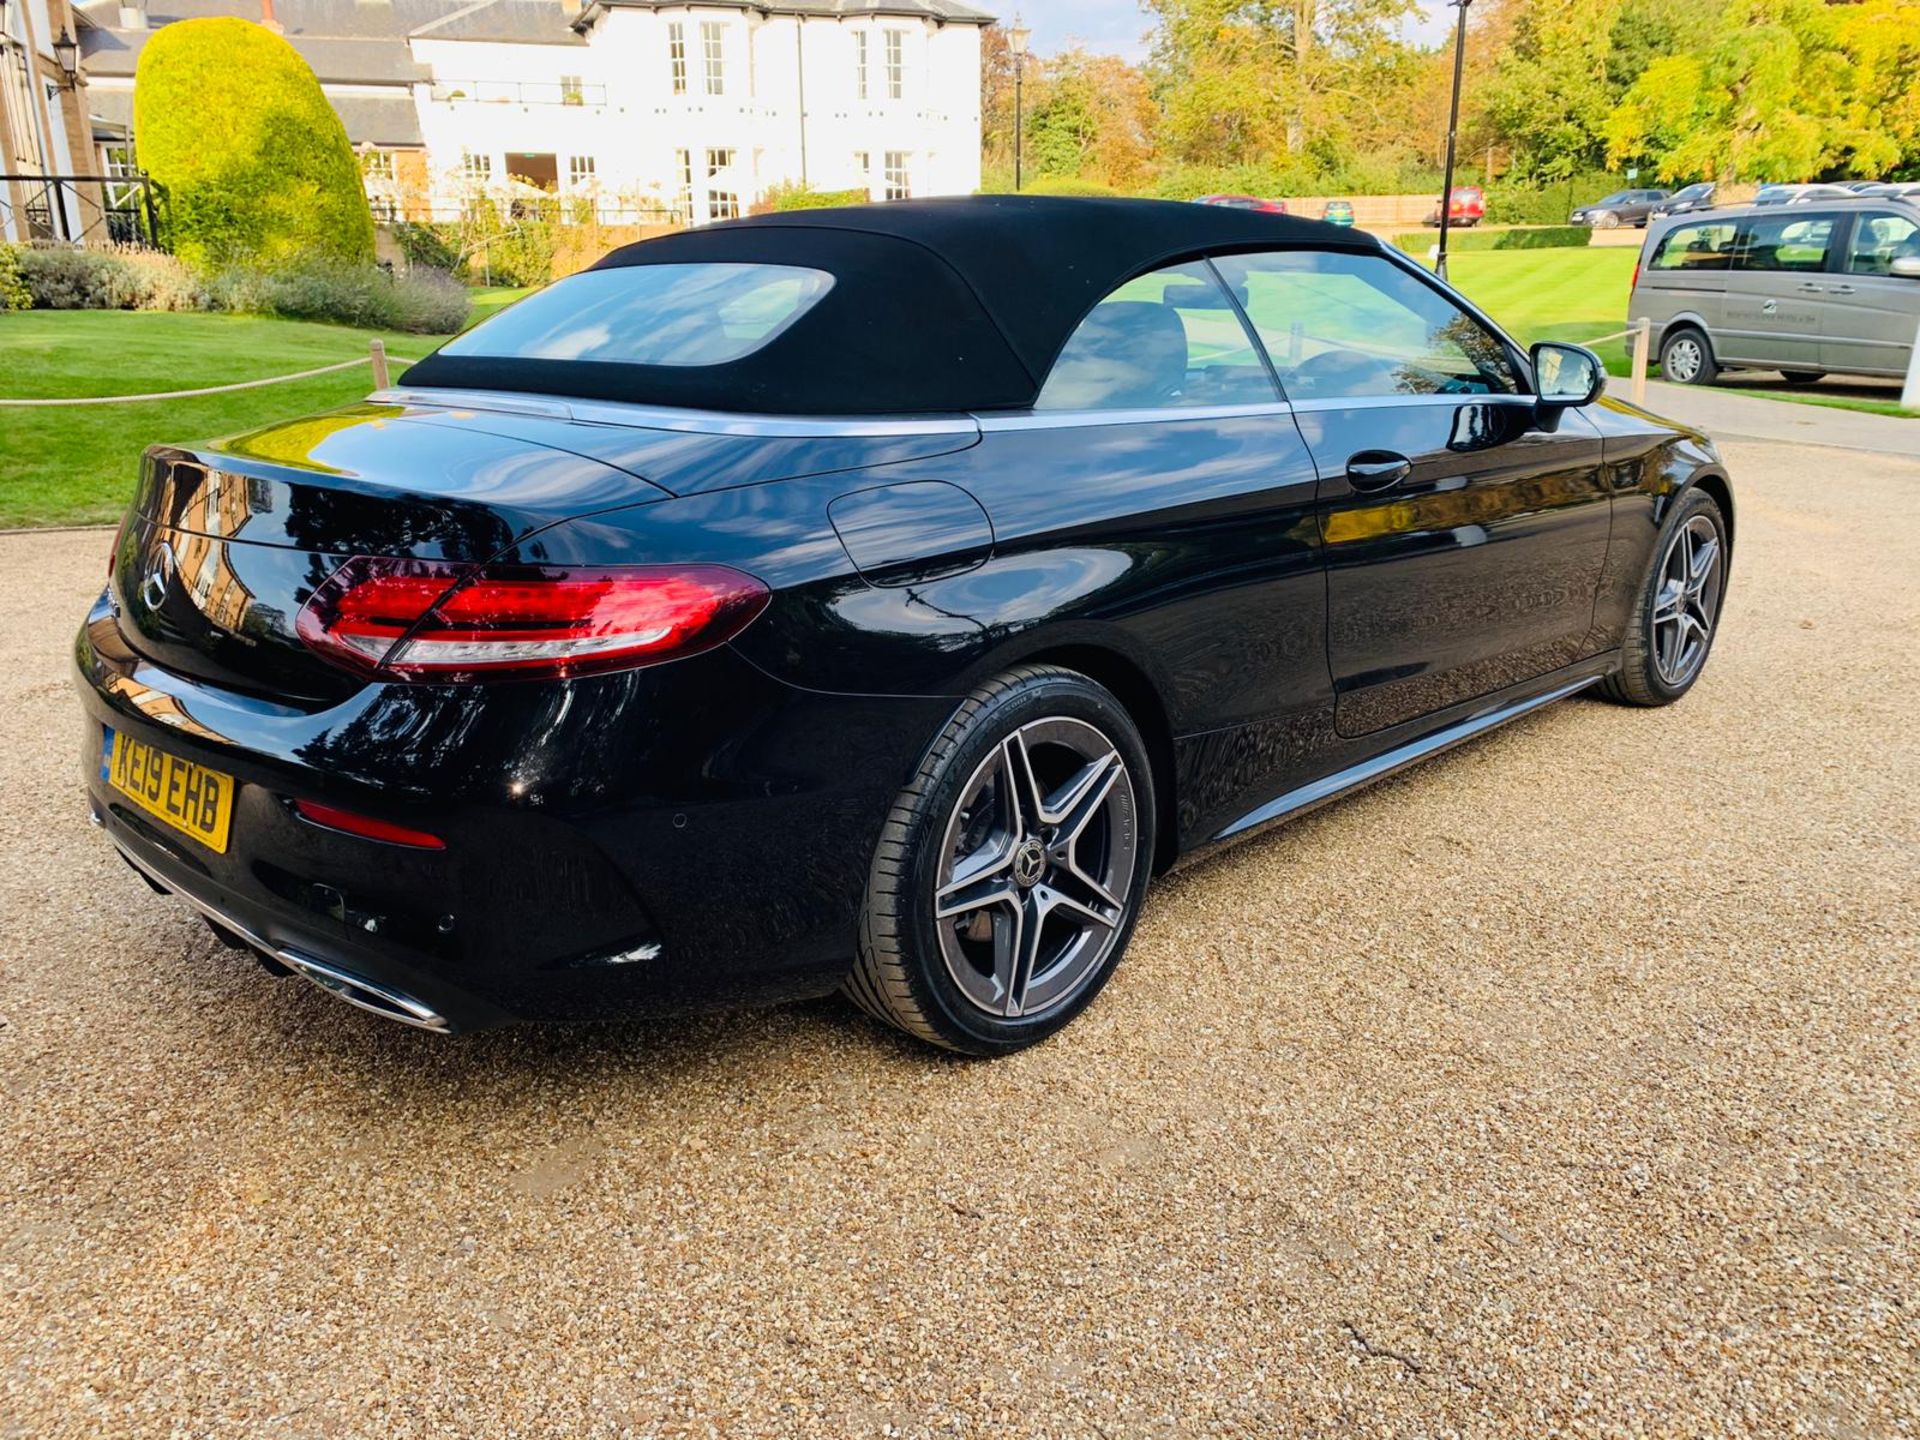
<point>705,314</point>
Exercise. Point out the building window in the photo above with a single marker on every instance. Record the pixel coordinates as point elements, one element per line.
<point>476,169</point>
<point>377,165</point>
<point>580,171</point>
<point>713,36</point>
<point>899,180</point>
<point>722,203</point>
<point>896,41</point>
<point>572,90</point>
<point>677,56</point>
<point>860,63</point>
<point>683,173</point>
<point>863,171</point>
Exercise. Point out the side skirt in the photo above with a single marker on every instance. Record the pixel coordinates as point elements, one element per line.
<point>1493,713</point>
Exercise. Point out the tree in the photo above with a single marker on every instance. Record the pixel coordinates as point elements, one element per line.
<point>275,180</point>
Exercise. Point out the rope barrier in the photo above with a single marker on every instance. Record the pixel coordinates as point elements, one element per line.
<point>376,356</point>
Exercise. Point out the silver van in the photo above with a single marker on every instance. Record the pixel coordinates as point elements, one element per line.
<point>1807,290</point>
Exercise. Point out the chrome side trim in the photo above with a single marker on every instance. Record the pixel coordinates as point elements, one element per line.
<point>1398,402</point>
<point>664,417</point>
<point>1329,787</point>
<point>1073,419</point>
<point>342,985</point>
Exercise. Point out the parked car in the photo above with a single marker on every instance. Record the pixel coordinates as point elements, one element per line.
<point>1800,194</point>
<point>1903,189</point>
<point>1623,207</point>
<point>1807,289</point>
<point>1245,202</point>
<point>1337,212</point>
<point>918,649</point>
<point>1467,208</point>
<point>1686,201</point>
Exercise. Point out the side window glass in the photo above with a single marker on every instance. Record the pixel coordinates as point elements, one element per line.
<point>1783,242</point>
<point>1338,325</point>
<point>1696,247</point>
<point>1167,339</point>
<point>1880,239</point>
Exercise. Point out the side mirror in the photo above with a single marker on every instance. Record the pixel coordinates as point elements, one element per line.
<point>1566,375</point>
<point>1906,267</point>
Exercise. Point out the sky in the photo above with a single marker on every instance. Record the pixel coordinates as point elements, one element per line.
<point>1119,27</point>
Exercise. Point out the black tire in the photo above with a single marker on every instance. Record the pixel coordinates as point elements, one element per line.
<point>1639,680</point>
<point>1688,367</point>
<point>1803,377</point>
<point>903,976</point>
<point>1606,220</point>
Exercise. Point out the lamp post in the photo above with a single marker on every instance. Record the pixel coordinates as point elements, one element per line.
<point>1453,131</point>
<point>1017,43</point>
<point>66,52</point>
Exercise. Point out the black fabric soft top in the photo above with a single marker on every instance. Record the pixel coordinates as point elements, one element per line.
<point>937,305</point>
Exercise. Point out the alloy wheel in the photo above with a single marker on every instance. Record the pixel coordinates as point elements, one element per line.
<point>1683,359</point>
<point>1036,863</point>
<point>1685,606</point>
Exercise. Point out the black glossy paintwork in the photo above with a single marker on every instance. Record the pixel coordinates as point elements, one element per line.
<point>1267,625</point>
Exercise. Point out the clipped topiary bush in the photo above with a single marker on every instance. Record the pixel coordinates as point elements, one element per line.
<point>231,120</point>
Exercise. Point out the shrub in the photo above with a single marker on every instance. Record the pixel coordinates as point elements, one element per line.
<point>422,301</point>
<point>59,277</point>
<point>426,245</point>
<point>15,294</point>
<point>1068,185</point>
<point>799,197</point>
<point>231,120</point>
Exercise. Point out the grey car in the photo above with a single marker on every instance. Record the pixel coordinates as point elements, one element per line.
<point>1623,207</point>
<point>1807,290</point>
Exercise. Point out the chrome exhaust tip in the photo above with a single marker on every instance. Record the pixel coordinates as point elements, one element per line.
<point>364,994</point>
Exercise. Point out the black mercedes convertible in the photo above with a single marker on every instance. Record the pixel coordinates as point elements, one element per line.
<point>870,599</point>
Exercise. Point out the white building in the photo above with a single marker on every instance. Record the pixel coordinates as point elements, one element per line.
<point>651,107</point>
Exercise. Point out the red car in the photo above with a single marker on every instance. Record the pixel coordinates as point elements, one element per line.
<point>1245,202</point>
<point>1469,207</point>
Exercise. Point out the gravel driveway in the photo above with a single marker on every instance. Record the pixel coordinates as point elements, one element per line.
<point>1565,1085</point>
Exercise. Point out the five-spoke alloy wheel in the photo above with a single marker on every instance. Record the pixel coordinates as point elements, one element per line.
<point>1671,631</point>
<point>1011,869</point>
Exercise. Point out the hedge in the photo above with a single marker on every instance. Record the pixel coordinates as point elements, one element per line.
<point>797,197</point>
<point>60,277</point>
<point>1543,237</point>
<point>230,119</point>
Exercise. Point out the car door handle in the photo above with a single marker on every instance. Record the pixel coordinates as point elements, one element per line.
<point>1813,289</point>
<point>1370,470</point>
<point>1842,289</point>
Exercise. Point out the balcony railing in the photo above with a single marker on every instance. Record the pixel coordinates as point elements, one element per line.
<point>519,92</point>
<point>124,209</point>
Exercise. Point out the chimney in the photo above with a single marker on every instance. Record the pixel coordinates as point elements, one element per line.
<point>133,14</point>
<point>268,20</point>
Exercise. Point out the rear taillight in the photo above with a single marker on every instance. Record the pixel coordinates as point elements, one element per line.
<point>1635,283</point>
<point>367,827</point>
<point>434,620</point>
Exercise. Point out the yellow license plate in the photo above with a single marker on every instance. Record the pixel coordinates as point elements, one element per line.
<point>194,800</point>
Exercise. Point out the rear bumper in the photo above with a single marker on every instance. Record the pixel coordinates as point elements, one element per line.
<point>688,836</point>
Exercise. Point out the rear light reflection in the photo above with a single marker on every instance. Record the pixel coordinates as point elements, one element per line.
<point>351,822</point>
<point>439,621</point>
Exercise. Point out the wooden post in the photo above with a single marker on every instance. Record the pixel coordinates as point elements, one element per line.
<point>1642,342</point>
<point>377,352</point>
<point>1910,392</point>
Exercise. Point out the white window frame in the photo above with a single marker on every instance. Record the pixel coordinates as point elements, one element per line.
<point>677,56</point>
<point>683,171</point>
<point>582,172</point>
<point>860,65</point>
<point>713,55</point>
<point>476,167</point>
<point>898,174</point>
<point>895,49</point>
<point>721,204</point>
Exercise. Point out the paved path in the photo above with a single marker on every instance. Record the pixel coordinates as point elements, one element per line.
<point>1724,414</point>
<point>1568,1085</point>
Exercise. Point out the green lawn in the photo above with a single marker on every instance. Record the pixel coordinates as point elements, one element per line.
<point>1552,294</point>
<point>75,464</point>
